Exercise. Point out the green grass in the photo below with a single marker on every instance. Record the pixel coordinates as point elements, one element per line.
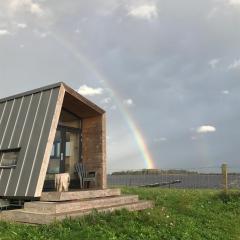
<point>178,214</point>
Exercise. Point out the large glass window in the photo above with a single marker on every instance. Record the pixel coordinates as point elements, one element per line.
<point>66,150</point>
<point>54,163</point>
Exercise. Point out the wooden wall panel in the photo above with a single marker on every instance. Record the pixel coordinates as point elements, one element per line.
<point>94,147</point>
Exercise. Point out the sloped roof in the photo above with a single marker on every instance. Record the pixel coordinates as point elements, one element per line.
<point>70,94</point>
<point>28,121</point>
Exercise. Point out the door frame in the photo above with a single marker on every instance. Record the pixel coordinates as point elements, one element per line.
<point>49,184</point>
<point>63,130</point>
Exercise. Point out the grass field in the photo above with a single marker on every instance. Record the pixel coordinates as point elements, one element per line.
<point>178,214</point>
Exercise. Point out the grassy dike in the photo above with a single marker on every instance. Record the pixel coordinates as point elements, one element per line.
<point>178,214</point>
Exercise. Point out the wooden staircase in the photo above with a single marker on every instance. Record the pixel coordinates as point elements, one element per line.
<point>55,206</point>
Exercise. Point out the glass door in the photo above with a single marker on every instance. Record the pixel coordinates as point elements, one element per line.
<point>66,152</point>
<point>72,151</point>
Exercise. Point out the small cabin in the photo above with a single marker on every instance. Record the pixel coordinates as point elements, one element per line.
<point>45,132</point>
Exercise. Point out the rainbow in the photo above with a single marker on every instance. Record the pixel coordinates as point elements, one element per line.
<point>139,138</point>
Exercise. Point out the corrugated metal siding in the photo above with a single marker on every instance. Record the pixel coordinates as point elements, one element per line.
<point>25,122</point>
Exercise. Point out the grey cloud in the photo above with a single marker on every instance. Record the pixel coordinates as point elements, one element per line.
<point>162,64</point>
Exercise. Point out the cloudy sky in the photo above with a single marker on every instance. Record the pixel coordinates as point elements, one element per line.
<point>171,67</point>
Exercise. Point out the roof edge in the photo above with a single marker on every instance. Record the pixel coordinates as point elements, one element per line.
<point>19,95</point>
<point>68,89</point>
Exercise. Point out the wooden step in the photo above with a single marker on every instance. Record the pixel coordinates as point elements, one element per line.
<point>69,206</point>
<point>78,195</point>
<point>137,206</point>
<point>23,216</point>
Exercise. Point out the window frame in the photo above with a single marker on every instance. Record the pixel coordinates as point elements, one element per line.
<point>9,150</point>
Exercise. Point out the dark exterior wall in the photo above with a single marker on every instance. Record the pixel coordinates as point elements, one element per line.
<point>94,147</point>
<point>29,121</point>
<point>26,122</point>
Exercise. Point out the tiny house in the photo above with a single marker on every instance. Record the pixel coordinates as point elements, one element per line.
<point>46,134</point>
<point>47,131</point>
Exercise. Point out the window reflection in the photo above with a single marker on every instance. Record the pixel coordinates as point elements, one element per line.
<point>8,159</point>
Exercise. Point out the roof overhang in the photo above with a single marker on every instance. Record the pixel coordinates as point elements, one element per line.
<point>79,105</point>
<point>73,101</point>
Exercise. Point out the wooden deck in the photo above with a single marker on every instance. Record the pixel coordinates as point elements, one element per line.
<point>55,206</point>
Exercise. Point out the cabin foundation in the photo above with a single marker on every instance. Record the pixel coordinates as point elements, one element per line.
<point>58,206</point>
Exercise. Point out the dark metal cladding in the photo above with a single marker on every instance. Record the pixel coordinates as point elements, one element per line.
<point>32,142</point>
<point>44,139</point>
<point>23,142</point>
<point>1,110</point>
<point>7,140</point>
<point>4,122</point>
<point>28,93</point>
<point>25,122</point>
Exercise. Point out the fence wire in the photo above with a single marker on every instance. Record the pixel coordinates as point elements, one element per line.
<point>197,179</point>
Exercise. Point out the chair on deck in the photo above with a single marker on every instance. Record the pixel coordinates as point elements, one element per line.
<point>84,176</point>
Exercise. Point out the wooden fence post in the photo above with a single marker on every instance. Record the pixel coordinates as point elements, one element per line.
<point>225,177</point>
